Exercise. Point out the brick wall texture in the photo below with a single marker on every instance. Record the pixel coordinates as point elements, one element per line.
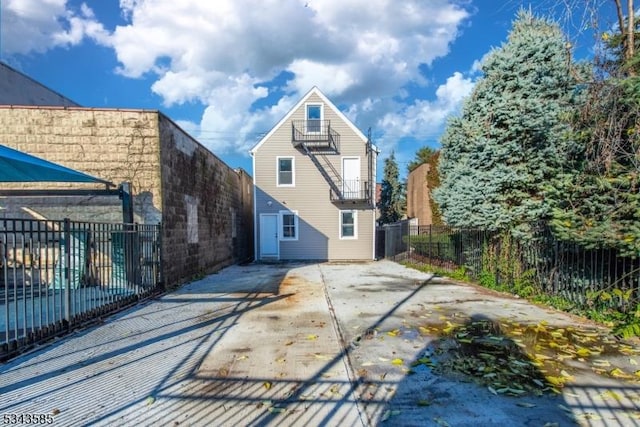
<point>166,167</point>
<point>418,195</point>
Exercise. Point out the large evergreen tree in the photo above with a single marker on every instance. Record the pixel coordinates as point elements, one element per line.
<point>510,139</point>
<point>392,200</point>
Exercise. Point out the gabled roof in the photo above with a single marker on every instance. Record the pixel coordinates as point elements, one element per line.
<point>316,91</point>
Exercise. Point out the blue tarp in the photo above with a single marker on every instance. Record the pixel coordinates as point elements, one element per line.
<point>16,166</point>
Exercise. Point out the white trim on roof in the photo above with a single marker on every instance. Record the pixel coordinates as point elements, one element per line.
<point>316,91</point>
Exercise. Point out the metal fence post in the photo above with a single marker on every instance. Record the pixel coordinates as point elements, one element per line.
<point>409,255</point>
<point>67,270</point>
<point>498,247</point>
<point>430,227</point>
<point>158,257</point>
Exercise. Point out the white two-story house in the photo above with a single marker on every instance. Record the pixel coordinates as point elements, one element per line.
<point>314,186</point>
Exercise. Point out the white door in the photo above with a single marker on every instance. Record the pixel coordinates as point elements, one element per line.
<point>268,235</point>
<point>350,177</point>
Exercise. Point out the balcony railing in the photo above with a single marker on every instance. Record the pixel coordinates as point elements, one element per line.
<point>315,135</point>
<point>351,191</point>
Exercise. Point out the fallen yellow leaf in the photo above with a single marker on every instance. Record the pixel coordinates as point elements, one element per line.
<point>566,375</point>
<point>619,373</point>
<point>583,352</point>
<point>610,394</point>
<point>557,381</point>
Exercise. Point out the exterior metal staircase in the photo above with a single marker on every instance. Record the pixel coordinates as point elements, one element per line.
<point>318,140</point>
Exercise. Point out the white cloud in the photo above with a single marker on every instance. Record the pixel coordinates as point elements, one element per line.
<point>39,25</point>
<point>426,119</point>
<point>361,53</point>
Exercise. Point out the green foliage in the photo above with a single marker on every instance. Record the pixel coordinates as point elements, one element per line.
<point>545,140</point>
<point>437,245</point>
<point>459,273</point>
<point>595,202</point>
<point>629,330</point>
<point>423,155</point>
<point>625,325</point>
<point>509,142</point>
<point>392,201</point>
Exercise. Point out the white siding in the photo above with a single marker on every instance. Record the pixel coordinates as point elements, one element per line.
<point>319,233</point>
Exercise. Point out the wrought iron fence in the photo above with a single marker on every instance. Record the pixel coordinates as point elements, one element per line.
<point>582,275</point>
<point>55,275</point>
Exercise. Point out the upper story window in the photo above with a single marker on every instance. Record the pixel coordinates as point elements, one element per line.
<point>314,117</point>
<point>286,172</point>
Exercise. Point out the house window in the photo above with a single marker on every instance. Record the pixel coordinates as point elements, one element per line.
<point>286,172</point>
<point>348,224</point>
<point>289,224</point>
<point>314,118</point>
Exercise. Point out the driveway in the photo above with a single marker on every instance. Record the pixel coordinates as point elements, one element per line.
<point>328,344</point>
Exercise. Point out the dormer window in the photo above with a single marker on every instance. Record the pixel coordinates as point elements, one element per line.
<point>314,118</point>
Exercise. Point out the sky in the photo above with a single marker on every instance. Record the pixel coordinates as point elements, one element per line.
<point>226,71</point>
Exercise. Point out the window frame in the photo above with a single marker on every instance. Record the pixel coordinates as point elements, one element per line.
<point>296,226</point>
<point>307,119</point>
<point>355,224</point>
<point>293,171</point>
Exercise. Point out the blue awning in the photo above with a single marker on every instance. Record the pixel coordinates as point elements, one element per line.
<point>16,166</point>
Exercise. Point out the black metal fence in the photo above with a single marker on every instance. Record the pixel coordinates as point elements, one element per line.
<point>586,276</point>
<point>55,275</point>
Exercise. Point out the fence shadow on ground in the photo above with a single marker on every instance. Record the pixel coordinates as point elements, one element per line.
<point>467,370</point>
<point>141,369</point>
<point>59,368</point>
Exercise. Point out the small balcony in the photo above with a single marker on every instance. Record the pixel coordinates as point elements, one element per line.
<point>356,191</point>
<point>315,135</point>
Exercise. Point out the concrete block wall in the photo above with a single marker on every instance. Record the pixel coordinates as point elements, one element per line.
<point>115,145</point>
<point>204,205</point>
